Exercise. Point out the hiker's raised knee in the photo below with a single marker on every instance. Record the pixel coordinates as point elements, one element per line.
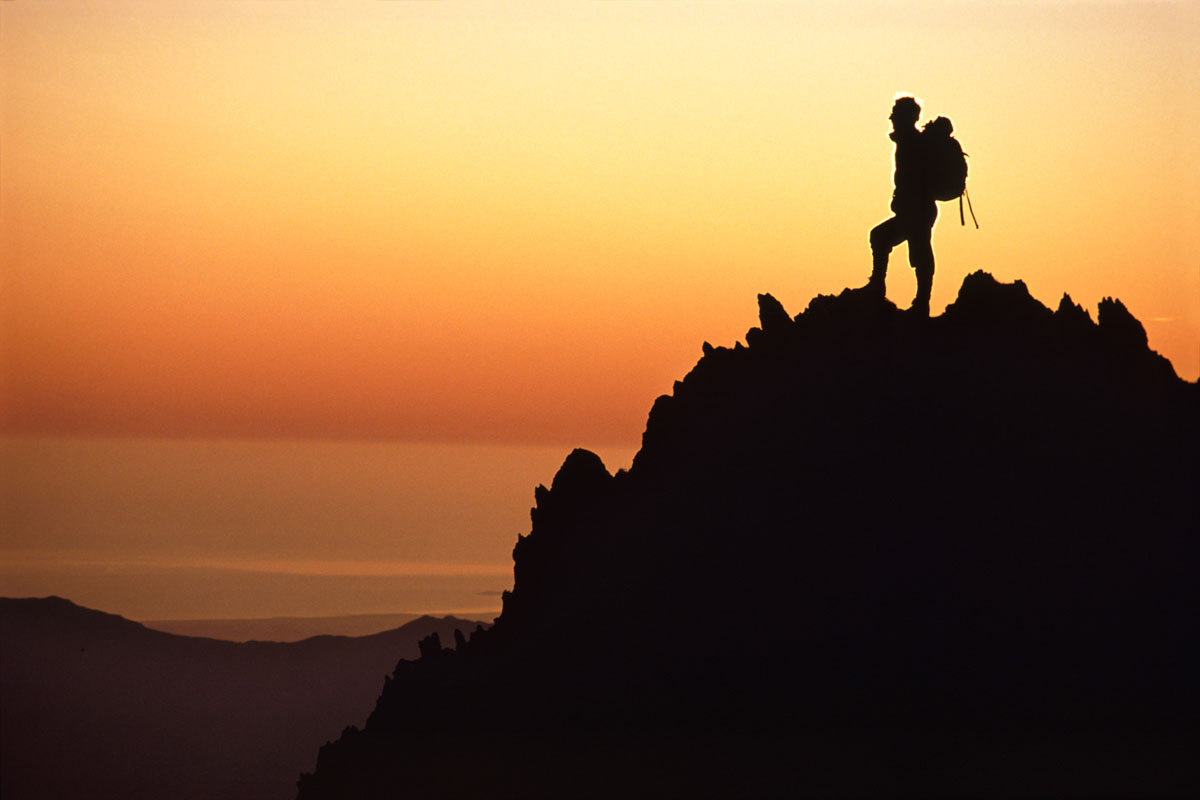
<point>879,240</point>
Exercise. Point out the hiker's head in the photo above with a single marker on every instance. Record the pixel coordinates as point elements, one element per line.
<point>905,112</point>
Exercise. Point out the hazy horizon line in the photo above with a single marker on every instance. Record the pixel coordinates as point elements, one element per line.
<point>313,439</point>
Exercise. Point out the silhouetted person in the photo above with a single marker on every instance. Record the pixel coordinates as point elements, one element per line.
<point>913,205</point>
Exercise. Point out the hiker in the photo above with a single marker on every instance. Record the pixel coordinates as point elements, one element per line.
<point>913,205</point>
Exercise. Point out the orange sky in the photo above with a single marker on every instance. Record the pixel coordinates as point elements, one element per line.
<point>174,528</point>
<point>519,221</point>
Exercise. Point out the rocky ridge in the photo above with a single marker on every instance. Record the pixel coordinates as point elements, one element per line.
<point>869,521</point>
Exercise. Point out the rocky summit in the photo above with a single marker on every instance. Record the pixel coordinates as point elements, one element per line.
<point>865,553</point>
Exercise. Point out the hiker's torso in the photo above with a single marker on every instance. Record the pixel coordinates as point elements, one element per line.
<point>911,194</point>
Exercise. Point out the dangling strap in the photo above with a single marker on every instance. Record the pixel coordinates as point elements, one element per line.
<point>961,218</point>
<point>968,196</point>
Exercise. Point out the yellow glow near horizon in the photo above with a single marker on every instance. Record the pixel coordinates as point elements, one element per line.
<point>519,220</point>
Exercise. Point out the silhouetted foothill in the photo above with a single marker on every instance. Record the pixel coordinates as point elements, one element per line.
<point>93,705</point>
<point>868,553</point>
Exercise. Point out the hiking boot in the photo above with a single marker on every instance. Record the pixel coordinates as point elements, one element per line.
<point>875,288</point>
<point>919,308</point>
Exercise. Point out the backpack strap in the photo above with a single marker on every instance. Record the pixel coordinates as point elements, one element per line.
<point>967,195</point>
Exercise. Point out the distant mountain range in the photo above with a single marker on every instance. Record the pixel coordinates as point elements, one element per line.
<point>93,705</point>
<point>283,629</point>
<point>864,554</point>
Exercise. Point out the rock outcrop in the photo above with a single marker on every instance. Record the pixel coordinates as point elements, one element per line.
<point>838,548</point>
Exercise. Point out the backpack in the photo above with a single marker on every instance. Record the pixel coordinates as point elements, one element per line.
<point>945,164</point>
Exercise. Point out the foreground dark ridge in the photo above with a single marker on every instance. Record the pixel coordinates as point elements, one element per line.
<point>936,556</point>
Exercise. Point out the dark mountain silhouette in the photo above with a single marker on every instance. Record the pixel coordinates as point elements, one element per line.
<point>282,629</point>
<point>950,556</point>
<point>96,706</point>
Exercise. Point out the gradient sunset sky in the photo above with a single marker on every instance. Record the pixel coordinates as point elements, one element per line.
<point>517,221</point>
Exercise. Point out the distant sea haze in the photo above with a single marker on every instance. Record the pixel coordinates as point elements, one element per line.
<point>160,529</point>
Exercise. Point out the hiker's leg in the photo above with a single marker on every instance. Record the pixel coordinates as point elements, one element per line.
<point>920,256</point>
<point>884,237</point>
